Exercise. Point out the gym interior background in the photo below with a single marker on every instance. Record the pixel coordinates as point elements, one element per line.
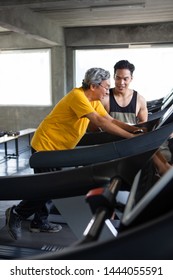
<point>66,26</point>
<point>60,28</point>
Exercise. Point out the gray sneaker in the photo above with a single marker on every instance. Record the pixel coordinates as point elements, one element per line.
<point>13,223</point>
<point>46,227</point>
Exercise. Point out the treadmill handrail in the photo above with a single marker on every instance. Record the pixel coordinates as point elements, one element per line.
<point>103,152</point>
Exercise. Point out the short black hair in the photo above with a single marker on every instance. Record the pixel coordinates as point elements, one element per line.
<point>124,64</point>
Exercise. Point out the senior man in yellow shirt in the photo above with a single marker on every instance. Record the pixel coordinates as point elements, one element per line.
<point>62,129</point>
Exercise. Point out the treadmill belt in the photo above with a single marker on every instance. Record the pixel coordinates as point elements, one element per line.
<point>34,243</point>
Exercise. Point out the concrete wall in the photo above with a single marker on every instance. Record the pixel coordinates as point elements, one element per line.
<point>63,60</point>
<point>16,118</point>
<point>113,36</point>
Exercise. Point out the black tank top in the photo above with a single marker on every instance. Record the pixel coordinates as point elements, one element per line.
<point>125,114</point>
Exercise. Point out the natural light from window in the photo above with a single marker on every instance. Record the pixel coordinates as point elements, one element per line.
<point>25,78</point>
<point>153,67</point>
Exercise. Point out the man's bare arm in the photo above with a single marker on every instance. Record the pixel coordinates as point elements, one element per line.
<point>111,125</point>
<point>142,111</point>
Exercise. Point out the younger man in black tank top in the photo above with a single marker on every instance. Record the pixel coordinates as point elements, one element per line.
<point>124,103</point>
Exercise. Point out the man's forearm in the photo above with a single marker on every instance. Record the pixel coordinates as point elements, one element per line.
<point>127,127</point>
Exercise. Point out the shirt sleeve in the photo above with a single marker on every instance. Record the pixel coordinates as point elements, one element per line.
<point>81,105</point>
<point>99,108</point>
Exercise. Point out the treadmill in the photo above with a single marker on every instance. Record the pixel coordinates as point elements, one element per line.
<point>159,104</point>
<point>72,183</point>
<point>100,148</point>
<point>78,181</point>
<point>146,229</point>
<point>93,138</point>
<point>166,103</point>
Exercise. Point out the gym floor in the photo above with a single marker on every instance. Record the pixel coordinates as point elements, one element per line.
<point>13,166</point>
<point>52,241</point>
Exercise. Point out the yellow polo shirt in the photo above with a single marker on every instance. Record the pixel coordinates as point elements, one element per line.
<point>65,125</point>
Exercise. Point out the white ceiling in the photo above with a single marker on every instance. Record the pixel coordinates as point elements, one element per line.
<point>76,13</point>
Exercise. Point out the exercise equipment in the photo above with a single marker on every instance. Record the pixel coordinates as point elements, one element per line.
<point>159,112</point>
<point>78,181</point>
<point>132,152</point>
<point>65,184</point>
<point>160,104</point>
<point>93,138</point>
<point>126,168</point>
<point>104,152</point>
<point>146,226</point>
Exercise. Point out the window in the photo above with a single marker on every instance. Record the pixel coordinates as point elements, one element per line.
<point>25,78</point>
<point>153,67</point>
